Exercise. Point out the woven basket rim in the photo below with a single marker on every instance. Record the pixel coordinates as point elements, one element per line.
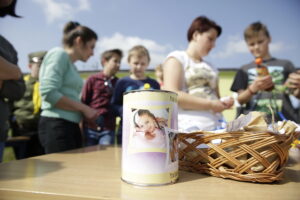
<point>264,149</point>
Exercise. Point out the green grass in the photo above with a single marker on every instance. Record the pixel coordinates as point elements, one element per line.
<point>8,154</point>
<point>225,81</point>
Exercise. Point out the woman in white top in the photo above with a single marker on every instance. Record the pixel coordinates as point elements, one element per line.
<point>196,81</point>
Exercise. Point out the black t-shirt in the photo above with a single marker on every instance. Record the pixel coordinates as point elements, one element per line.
<point>278,99</point>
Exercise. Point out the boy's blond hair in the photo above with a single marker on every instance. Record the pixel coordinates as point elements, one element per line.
<point>254,29</point>
<point>138,51</point>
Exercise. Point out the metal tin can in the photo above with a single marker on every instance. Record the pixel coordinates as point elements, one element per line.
<point>149,143</point>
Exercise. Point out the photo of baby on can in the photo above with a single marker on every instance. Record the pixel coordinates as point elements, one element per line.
<point>150,146</point>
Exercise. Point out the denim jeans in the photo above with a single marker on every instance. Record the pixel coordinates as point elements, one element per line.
<point>93,137</point>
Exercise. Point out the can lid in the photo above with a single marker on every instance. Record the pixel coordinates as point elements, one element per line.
<point>150,90</point>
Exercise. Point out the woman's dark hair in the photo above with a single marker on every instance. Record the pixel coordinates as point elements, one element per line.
<point>9,10</point>
<point>72,30</point>
<point>202,24</point>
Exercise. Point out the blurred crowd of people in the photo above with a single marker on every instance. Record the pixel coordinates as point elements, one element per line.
<point>58,111</point>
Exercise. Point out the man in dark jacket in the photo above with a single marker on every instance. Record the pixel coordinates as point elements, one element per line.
<point>12,86</point>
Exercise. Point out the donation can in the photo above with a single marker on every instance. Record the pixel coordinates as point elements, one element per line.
<point>149,141</point>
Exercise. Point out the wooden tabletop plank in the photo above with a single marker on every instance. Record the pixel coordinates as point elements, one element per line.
<point>94,173</point>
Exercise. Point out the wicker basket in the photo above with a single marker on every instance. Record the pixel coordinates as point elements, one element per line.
<point>237,156</point>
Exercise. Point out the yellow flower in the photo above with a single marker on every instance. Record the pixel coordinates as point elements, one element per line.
<point>295,143</point>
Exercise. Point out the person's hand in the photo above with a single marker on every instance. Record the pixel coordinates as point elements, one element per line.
<point>227,101</point>
<point>90,114</point>
<point>293,80</point>
<point>261,83</point>
<point>217,106</point>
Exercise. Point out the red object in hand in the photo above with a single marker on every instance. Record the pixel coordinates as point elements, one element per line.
<point>261,69</point>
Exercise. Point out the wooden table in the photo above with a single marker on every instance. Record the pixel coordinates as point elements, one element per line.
<point>94,173</point>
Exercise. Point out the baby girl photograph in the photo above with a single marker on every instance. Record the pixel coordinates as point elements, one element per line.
<point>148,130</point>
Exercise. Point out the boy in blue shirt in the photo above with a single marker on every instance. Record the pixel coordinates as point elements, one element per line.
<point>138,60</point>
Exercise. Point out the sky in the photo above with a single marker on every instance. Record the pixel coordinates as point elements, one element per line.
<point>160,25</point>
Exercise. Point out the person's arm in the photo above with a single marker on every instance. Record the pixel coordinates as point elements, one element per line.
<point>66,103</point>
<point>87,92</point>
<point>11,80</point>
<point>293,82</point>
<point>259,84</point>
<point>173,81</point>
<point>218,89</point>
<point>9,71</point>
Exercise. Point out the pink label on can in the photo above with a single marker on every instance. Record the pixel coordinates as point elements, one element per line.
<point>149,149</point>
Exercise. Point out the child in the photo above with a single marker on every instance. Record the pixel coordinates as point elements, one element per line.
<point>27,110</point>
<point>159,75</point>
<point>148,132</point>
<point>253,91</point>
<point>138,60</point>
<point>97,94</point>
